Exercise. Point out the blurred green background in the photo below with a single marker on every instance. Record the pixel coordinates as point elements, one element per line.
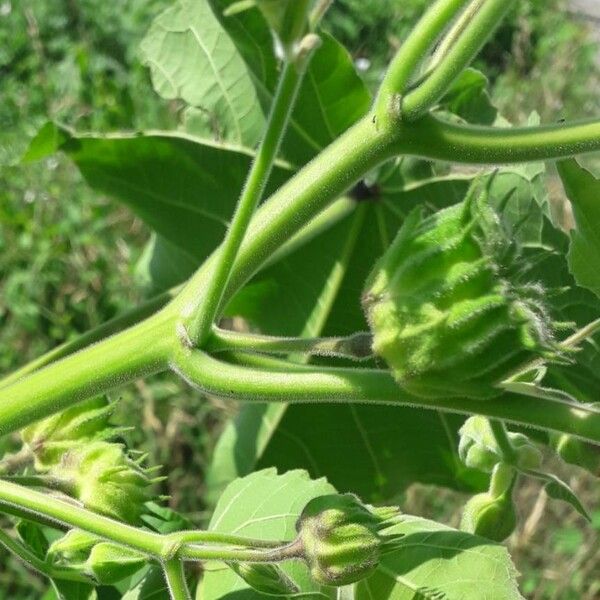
<point>67,256</point>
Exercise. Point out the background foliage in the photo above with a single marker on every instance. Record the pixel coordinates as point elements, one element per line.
<point>68,256</point>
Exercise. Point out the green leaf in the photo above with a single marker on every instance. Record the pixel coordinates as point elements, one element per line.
<point>263,505</point>
<point>33,537</point>
<point>583,190</point>
<point>74,590</point>
<point>557,489</point>
<point>332,96</point>
<point>163,265</point>
<point>192,58</point>
<point>150,586</point>
<point>469,99</point>
<point>174,182</point>
<point>437,562</point>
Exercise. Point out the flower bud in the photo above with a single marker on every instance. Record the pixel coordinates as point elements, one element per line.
<point>106,480</point>
<point>266,578</point>
<point>489,517</point>
<point>341,538</point>
<point>50,438</point>
<point>105,563</point>
<point>492,514</point>
<point>448,311</point>
<point>109,563</point>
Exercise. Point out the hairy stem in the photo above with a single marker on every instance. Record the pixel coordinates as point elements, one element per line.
<point>115,325</point>
<point>435,139</point>
<point>68,514</point>
<point>136,352</point>
<point>175,578</point>
<point>202,310</point>
<point>412,52</point>
<point>300,384</point>
<point>353,347</point>
<point>458,56</point>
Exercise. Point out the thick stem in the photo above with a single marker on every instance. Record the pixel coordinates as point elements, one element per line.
<point>412,52</point>
<point>300,384</point>
<point>202,309</point>
<point>435,139</point>
<point>175,578</point>
<point>136,352</point>
<point>111,327</point>
<point>459,55</point>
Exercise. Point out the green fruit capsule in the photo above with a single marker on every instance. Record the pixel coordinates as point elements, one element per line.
<point>341,538</point>
<point>106,480</point>
<point>446,313</point>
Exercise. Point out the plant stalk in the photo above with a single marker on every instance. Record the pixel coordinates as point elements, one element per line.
<point>175,578</point>
<point>199,315</point>
<point>411,54</point>
<point>458,56</point>
<point>301,384</point>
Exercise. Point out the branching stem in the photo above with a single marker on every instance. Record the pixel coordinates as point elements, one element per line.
<point>202,308</point>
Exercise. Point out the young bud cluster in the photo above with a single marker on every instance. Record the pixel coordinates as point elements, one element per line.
<point>446,312</point>
<point>72,449</point>
<point>478,448</point>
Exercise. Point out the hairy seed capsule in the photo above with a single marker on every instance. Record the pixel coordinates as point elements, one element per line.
<point>341,538</point>
<point>446,313</point>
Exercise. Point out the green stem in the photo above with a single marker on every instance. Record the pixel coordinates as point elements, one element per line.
<point>199,316</point>
<point>453,35</point>
<point>42,507</point>
<point>435,139</point>
<point>503,441</point>
<point>115,325</point>
<point>136,352</point>
<point>175,578</point>
<point>29,558</point>
<point>301,384</point>
<point>481,26</point>
<point>353,347</point>
<point>271,555</point>
<point>70,515</point>
<point>12,463</point>
<point>411,53</point>
<point>214,537</point>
